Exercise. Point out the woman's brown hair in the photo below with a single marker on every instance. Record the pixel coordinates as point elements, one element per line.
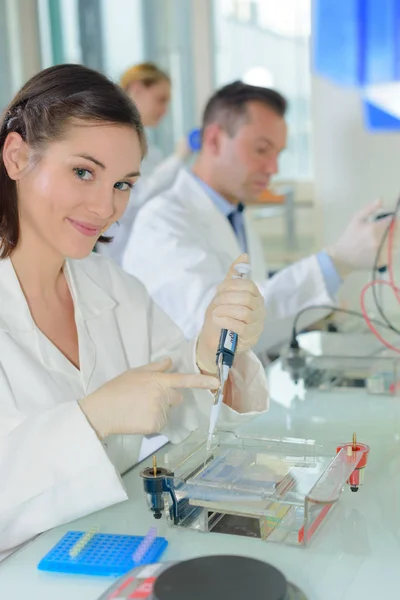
<point>40,113</point>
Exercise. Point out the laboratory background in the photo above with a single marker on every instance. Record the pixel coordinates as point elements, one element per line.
<point>335,160</point>
<point>333,378</point>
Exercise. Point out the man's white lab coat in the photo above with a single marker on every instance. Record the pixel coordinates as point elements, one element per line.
<point>53,468</point>
<point>181,248</point>
<point>157,174</point>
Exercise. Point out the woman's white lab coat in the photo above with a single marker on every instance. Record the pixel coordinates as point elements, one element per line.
<point>53,468</point>
<point>157,174</point>
<point>182,246</point>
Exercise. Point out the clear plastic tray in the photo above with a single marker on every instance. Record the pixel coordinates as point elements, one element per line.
<point>279,490</point>
<point>376,375</point>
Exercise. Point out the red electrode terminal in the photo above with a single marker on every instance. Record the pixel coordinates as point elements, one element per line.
<point>356,479</point>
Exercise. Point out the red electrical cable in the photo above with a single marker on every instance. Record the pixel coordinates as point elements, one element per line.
<point>390,261</point>
<point>390,283</point>
<point>365,314</point>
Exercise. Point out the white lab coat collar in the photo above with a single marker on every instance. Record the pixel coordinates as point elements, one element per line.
<point>196,198</point>
<point>14,310</point>
<point>196,195</point>
<point>96,300</point>
<point>198,201</point>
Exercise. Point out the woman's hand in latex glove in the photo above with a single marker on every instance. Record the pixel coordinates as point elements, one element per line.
<point>357,246</point>
<point>138,401</point>
<point>238,306</point>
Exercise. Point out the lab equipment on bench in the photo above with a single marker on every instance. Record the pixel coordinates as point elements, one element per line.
<point>156,481</point>
<point>279,490</point>
<point>225,356</point>
<point>102,554</point>
<point>294,357</point>
<point>223,577</point>
<point>377,375</point>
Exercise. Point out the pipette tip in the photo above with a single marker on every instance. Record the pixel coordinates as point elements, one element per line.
<point>155,466</point>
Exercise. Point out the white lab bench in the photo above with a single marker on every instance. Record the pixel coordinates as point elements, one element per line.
<point>354,556</point>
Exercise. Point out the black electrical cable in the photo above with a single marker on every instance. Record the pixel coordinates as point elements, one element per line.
<point>353,313</point>
<point>375,271</point>
<point>295,361</point>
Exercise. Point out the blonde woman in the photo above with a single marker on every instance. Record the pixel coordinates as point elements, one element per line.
<point>150,89</point>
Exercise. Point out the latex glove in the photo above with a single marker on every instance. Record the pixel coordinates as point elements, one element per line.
<point>182,149</point>
<point>357,247</point>
<point>238,306</point>
<point>138,401</point>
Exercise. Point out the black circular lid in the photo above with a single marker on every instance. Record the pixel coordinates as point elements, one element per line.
<point>220,578</point>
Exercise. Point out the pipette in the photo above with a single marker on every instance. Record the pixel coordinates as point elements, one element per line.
<point>225,355</point>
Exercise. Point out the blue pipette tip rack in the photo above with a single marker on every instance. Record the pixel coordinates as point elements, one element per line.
<point>106,554</point>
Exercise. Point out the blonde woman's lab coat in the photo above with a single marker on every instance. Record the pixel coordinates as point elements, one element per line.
<point>157,174</point>
<point>182,245</point>
<point>53,468</point>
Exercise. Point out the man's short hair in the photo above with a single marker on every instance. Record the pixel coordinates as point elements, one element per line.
<point>228,106</point>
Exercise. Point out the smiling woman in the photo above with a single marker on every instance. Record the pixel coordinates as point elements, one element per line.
<point>50,120</point>
<point>82,346</point>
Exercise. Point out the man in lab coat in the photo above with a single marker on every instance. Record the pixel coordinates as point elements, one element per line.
<point>184,240</point>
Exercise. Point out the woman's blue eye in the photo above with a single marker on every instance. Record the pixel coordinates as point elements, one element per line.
<point>123,186</point>
<point>84,174</point>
